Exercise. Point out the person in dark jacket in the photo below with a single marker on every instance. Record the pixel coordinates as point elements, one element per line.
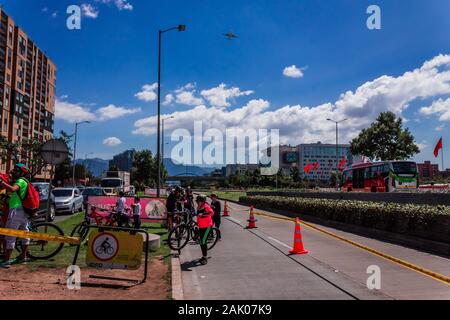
<point>216,206</point>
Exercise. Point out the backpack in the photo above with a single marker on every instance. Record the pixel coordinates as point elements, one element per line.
<point>30,202</point>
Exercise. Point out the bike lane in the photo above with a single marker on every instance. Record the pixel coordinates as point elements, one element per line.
<point>246,266</point>
<point>397,281</point>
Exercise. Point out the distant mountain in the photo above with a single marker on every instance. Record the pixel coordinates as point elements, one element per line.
<point>179,169</point>
<point>97,166</point>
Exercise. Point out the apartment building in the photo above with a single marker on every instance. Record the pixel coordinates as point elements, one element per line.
<point>27,88</point>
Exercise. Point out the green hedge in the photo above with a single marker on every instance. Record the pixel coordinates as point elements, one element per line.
<point>425,221</point>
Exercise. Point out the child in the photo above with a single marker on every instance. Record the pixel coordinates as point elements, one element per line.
<point>137,212</point>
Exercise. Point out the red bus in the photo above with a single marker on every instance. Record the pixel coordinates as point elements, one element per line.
<point>385,176</point>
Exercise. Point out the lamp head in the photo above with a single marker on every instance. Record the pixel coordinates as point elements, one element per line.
<point>181,27</point>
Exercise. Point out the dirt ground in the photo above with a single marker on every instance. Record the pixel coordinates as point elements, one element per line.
<point>22,283</point>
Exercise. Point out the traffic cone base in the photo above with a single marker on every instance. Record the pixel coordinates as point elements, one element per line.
<point>298,242</point>
<point>251,220</point>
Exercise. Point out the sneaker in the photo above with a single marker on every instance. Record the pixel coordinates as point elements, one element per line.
<point>5,264</point>
<point>19,260</point>
<point>204,260</point>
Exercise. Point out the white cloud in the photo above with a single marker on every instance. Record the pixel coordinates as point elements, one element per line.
<point>188,98</point>
<point>440,128</point>
<point>71,112</point>
<point>293,72</point>
<point>89,11</point>
<point>76,112</point>
<point>148,93</point>
<point>120,4</point>
<point>112,142</point>
<point>307,124</point>
<point>219,96</point>
<point>439,107</point>
<point>112,112</point>
<point>168,99</point>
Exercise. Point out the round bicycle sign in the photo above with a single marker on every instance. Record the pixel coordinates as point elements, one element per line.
<point>105,246</point>
<point>54,152</point>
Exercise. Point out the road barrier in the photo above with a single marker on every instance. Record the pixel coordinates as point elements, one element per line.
<point>38,236</point>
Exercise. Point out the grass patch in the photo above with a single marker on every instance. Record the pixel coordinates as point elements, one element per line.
<point>231,195</point>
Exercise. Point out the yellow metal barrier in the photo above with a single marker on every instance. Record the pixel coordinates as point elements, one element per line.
<point>38,236</point>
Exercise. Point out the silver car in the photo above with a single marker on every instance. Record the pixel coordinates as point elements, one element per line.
<point>68,200</point>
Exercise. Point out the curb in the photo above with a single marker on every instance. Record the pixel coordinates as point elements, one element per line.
<point>177,282</point>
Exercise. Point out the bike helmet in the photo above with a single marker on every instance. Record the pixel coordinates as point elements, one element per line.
<point>21,167</point>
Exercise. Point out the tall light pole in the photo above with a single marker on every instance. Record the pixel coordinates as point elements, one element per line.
<point>180,28</point>
<point>75,150</point>
<point>337,147</point>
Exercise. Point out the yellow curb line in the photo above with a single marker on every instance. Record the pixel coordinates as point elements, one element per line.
<point>436,276</point>
<point>38,236</point>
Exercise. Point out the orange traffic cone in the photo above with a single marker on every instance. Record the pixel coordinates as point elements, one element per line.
<point>251,220</point>
<point>225,210</point>
<point>298,242</point>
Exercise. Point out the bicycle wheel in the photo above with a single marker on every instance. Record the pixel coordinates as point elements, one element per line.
<point>213,237</point>
<point>178,237</point>
<point>80,231</point>
<point>41,249</point>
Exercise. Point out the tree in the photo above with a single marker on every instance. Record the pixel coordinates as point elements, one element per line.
<point>385,139</point>
<point>295,174</point>
<point>145,170</point>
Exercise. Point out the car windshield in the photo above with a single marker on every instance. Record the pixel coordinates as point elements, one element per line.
<point>111,183</point>
<point>62,193</point>
<point>404,167</point>
<point>93,192</point>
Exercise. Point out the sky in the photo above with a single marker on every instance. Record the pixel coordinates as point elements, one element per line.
<point>295,64</point>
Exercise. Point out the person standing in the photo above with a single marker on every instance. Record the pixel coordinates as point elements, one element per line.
<point>120,204</point>
<point>216,206</point>
<point>137,212</point>
<point>205,223</point>
<point>17,218</point>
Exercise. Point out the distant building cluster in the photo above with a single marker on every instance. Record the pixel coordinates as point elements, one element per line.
<point>320,157</point>
<point>124,160</point>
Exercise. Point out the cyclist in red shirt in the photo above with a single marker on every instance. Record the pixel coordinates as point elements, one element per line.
<point>205,223</point>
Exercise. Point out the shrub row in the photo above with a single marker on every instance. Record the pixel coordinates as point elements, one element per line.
<point>424,221</point>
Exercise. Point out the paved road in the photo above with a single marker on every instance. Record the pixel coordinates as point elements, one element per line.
<point>254,264</point>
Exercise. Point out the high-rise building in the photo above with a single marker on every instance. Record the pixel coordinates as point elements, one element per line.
<point>27,88</point>
<point>123,161</point>
<point>325,156</point>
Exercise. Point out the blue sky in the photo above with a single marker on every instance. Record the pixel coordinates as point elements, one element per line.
<point>114,55</point>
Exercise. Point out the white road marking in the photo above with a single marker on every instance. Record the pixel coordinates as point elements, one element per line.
<point>234,220</point>
<point>279,242</point>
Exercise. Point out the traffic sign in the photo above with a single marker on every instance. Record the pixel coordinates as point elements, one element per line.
<point>54,152</point>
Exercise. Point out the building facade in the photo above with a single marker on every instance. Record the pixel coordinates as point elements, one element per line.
<point>27,88</point>
<point>124,160</point>
<point>325,156</point>
<point>427,170</point>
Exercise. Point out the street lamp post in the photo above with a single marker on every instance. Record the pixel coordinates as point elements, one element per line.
<point>75,150</point>
<point>180,28</point>
<point>337,147</point>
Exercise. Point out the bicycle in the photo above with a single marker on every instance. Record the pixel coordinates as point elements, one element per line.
<point>181,234</point>
<point>113,219</point>
<point>42,249</point>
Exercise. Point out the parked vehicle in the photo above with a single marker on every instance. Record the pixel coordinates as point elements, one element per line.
<point>43,188</point>
<point>68,200</point>
<point>115,181</point>
<point>92,191</point>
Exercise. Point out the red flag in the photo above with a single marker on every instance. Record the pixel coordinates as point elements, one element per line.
<point>342,163</point>
<point>439,146</point>
<point>316,166</point>
<point>308,168</point>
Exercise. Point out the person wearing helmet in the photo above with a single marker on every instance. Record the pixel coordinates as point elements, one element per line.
<point>172,206</point>
<point>205,223</point>
<point>17,218</point>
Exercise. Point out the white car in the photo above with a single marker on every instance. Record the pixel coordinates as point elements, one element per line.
<point>68,200</point>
